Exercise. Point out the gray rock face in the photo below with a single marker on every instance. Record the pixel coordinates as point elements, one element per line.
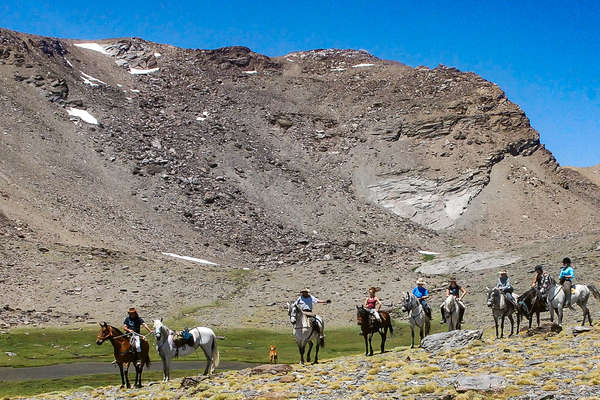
<point>474,261</point>
<point>450,340</point>
<point>480,382</point>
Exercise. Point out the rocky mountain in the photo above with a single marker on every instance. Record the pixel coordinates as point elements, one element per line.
<point>330,168</point>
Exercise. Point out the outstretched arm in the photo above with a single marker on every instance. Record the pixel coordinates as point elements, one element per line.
<point>147,327</point>
<point>378,304</point>
<point>463,292</point>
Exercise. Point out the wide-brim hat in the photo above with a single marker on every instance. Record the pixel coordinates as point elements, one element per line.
<point>502,272</point>
<point>307,290</point>
<point>132,310</point>
<point>420,281</point>
<point>375,289</point>
<point>539,268</point>
<point>452,280</point>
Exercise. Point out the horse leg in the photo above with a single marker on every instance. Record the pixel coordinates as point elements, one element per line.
<point>165,369</point>
<point>310,346</point>
<point>496,325</point>
<point>301,350</point>
<point>502,327</point>
<point>366,343</point>
<point>512,325</point>
<point>421,334</point>
<point>537,315</point>
<point>371,343</point>
<point>127,376</point>
<point>559,311</point>
<point>412,337</point>
<point>383,337</point>
<point>122,375</point>
<point>519,316</point>
<point>316,361</point>
<point>138,375</point>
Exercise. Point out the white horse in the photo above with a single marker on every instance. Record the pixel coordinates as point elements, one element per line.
<point>305,333</point>
<point>580,296</point>
<point>501,308</point>
<point>203,337</point>
<point>416,317</point>
<point>451,311</point>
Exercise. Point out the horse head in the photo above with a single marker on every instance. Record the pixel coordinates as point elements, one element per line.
<point>292,311</point>
<point>160,329</point>
<point>360,314</point>
<point>492,296</point>
<point>406,303</point>
<point>104,334</point>
<point>450,303</point>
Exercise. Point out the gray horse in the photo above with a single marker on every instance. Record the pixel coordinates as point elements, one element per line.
<point>501,308</point>
<point>451,311</point>
<point>416,317</point>
<point>305,333</point>
<point>580,296</point>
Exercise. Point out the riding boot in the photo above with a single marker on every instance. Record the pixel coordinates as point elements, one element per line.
<point>443,321</point>
<point>461,314</point>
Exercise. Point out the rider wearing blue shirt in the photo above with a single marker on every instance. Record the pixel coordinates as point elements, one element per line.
<point>132,324</point>
<point>566,279</point>
<point>306,301</point>
<point>422,294</point>
<point>505,287</point>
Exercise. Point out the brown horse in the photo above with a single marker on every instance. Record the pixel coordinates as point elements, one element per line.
<point>369,326</point>
<point>124,353</point>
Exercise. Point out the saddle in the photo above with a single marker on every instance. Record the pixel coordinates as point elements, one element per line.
<point>309,314</point>
<point>183,338</point>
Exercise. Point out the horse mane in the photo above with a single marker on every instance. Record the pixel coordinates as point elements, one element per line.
<point>115,330</point>
<point>531,292</point>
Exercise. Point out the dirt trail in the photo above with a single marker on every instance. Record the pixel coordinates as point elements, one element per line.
<point>89,368</point>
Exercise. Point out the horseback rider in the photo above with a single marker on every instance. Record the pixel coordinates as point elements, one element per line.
<point>132,324</point>
<point>540,278</point>
<point>373,305</point>
<point>458,292</point>
<point>422,294</point>
<point>566,279</point>
<point>505,287</point>
<point>306,301</point>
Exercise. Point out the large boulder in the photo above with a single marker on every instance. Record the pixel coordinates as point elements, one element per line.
<point>480,383</point>
<point>273,369</point>
<point>450,340</point>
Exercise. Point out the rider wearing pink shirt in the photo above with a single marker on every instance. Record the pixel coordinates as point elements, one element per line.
<point>373,304</point>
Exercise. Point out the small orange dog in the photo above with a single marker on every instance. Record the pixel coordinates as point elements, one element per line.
<point>272,354</point>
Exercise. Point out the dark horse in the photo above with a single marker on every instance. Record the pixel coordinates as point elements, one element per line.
<point>369,326</point>
<point>123,353</point>
<point>529,303</point>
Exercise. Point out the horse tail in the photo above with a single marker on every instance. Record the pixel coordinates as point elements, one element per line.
<point>322,341</point>
<point>147,360</point>
<point>215,353</point>
<point>594,291</point>
<point>391,327</point>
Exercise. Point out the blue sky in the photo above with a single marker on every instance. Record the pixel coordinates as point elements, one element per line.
<point>544,54</point>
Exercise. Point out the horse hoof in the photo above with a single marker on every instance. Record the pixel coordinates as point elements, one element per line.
<point>128,386</point>
<point>315,362</point>
<point>122,386</point>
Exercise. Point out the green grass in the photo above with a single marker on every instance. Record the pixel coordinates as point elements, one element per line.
<point>47,346</point>
<point>428,257</point>
<point>33,387</point>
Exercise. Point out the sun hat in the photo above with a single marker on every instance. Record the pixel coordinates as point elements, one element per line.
<point>420,281</point>
<point>502,272</point>
<point>305,290</point>
<point>132,310</point>
<point>452,279</point>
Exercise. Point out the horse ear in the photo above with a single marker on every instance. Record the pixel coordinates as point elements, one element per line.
<point>100,323</point>
<point>160,319</point>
